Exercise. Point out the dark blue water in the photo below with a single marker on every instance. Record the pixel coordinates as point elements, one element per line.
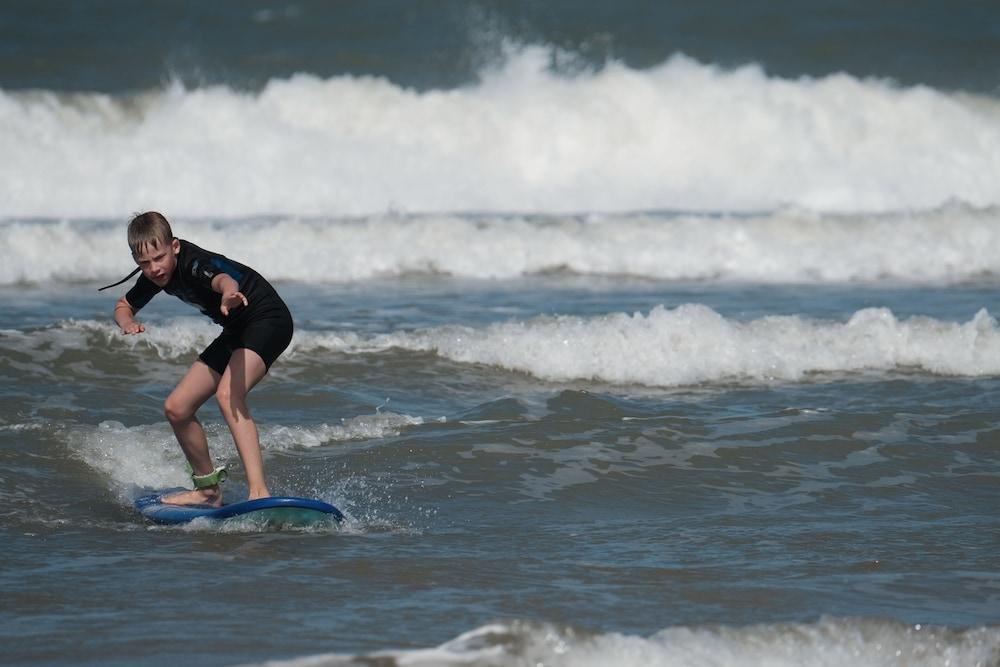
<point>111,46</point>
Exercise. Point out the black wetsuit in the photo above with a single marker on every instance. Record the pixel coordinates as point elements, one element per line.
<point>264,325</point>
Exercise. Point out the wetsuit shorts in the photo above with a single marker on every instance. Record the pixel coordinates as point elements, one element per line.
<point>268,336</point>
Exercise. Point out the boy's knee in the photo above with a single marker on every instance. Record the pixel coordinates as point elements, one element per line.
<point>232,404</point>
<point>176,411</point>
<point>224,396</point>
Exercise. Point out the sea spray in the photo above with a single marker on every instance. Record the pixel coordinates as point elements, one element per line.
<point>947,245</point>
<point>832,642</point>
<point>679,135</point>
<point>665,347</point>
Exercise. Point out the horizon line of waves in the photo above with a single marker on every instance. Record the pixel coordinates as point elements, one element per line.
<point>829,641</point>
<point>692,344</point>
<point>679,135</point>
<point>948,245</point>
<point>687,345</point>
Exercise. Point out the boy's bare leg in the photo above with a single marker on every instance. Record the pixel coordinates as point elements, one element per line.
<point>245,370</point>
<point>197,385</point>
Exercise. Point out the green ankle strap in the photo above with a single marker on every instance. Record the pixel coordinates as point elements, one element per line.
<point>213,478</point>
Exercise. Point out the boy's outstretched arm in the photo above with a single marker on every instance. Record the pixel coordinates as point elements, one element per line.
<point>232,297</point>
<point>125,318</point>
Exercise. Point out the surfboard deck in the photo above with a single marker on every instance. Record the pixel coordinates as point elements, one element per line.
<point>281,510</point>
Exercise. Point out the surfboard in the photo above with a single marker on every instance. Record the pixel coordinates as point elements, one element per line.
<point>277,510</point>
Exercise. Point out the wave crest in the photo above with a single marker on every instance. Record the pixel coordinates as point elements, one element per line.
<point>681,135</point>
<point>693,344</point>
<point>829,641</point>
<point>948,245</point>
<point>688,345</point>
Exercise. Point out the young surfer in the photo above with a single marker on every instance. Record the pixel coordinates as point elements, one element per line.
<point>256,329</point>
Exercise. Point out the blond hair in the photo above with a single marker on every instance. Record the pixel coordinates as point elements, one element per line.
<point>148,229</point>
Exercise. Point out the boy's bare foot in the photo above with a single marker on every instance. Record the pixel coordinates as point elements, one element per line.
<point>207,496</point>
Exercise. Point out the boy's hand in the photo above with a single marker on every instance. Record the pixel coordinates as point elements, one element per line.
<point>232,300</point>
<point>133,328</point>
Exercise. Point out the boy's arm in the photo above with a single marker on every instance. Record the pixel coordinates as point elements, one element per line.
<point>232,297</point>
<point>125,318</point>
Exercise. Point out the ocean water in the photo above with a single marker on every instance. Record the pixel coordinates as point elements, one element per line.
<point>626,333</point>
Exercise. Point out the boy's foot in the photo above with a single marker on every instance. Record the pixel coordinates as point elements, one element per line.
<point>208,496</point>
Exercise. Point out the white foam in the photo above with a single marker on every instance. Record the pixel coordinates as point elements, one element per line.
<point>681,135</point>
<point>951,244</point>
<point>168,339</point>
<point>687,345</point>
<point>144,456</point>
<point>693,344</point>
<point>362,427</point>
<point>828,642</point>
<point>148,456</point>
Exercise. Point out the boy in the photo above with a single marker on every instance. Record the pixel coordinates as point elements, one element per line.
<point>257,327</point>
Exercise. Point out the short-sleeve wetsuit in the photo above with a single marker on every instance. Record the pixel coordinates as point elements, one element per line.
<point>264,325</point>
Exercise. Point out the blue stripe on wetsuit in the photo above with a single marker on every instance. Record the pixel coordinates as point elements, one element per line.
<point>227,268</point>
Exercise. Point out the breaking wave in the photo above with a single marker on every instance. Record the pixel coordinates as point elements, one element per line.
<point>687,345</point>
<point>682,135</point>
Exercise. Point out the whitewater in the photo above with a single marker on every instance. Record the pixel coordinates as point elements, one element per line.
<point>826,643</point>
<point>949,245</point>
<point>666,347</point>
<point>533,134</point>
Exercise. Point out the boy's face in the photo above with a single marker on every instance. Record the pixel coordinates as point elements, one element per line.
<point>158,263</point>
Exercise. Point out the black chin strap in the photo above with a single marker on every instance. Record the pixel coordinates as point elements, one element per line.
<point>101,289</point>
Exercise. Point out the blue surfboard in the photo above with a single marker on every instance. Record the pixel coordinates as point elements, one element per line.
<point>277,510</point>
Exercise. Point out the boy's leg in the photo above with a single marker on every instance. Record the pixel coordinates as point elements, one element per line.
<point>197,385</point>
<point>246,368</point>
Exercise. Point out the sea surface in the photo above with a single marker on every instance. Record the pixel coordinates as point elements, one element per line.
<point>626,333</point>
